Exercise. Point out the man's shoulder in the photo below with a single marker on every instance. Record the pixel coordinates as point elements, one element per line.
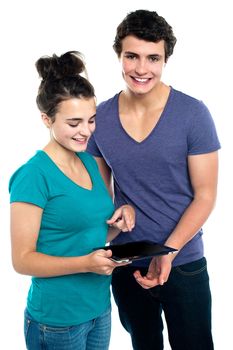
<point>112,102</point>
<point>185,98</point>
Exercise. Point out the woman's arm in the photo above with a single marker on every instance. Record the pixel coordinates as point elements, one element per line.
<point>106,174</point>
<point>123,219</point>
<point>25,226</point>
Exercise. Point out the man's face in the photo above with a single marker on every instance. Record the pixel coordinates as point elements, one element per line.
<point>142,63</point>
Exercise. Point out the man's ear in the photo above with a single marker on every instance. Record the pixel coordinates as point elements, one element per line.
<point>46,120</point>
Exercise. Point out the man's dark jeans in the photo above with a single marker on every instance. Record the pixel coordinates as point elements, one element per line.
<point>185,299</point>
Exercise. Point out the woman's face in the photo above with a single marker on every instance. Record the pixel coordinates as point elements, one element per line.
<point>74,123</point>
<point>142,64</point>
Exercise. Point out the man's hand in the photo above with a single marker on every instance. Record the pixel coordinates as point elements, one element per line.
<point>158,272</point>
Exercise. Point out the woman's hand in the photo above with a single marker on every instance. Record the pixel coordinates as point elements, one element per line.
<point>100,262</point>
<point>123,218</point>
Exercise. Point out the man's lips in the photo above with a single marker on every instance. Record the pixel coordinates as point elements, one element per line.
<point>141,80</point>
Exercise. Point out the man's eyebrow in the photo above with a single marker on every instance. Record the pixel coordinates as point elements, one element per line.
<point>150,55</point>
<point>130,53</point>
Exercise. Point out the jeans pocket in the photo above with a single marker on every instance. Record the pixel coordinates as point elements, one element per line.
<point>192,269</point>
<point>54,329</point>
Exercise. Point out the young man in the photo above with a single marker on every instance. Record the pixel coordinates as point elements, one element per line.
<point>160,145</point>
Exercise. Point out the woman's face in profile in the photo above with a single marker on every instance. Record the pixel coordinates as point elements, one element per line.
<point>73,124</point>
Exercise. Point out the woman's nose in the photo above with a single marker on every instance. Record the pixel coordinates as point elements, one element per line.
<point>85,129</point>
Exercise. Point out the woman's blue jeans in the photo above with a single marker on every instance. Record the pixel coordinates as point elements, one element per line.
<point>185,299</point>
<point>91,335</point>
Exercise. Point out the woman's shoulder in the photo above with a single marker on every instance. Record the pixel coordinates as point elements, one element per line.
<point>32,168</point>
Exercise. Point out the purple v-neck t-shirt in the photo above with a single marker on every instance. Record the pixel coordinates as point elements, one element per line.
<point>152,175</point>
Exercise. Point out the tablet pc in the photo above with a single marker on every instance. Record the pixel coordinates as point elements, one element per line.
<point>137,250</point>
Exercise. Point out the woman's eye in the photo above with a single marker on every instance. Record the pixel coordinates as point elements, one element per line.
<point>73,125</point>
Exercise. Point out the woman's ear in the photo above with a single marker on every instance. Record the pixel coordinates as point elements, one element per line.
<point>46,120</point>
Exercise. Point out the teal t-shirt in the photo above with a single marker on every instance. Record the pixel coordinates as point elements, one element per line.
<point>73,224</point>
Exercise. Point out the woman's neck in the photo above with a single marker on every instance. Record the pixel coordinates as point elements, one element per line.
<point>60,155</point>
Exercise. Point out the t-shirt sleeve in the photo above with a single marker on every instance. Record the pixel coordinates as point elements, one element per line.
<point>93,148</point>
<point>202,136</point>
<point>28,185</point>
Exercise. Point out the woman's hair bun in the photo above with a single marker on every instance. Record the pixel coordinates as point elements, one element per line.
<point>56,67</point>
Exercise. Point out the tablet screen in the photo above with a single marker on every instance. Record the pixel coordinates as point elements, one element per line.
<point>138,250</point>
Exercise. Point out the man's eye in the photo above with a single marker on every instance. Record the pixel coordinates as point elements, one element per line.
<point>154,58</point>
<point>131,57</point>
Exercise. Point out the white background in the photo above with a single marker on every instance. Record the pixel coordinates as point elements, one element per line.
<point>201,66</point>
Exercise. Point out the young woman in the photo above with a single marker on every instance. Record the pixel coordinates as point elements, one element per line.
<point>61,213</point>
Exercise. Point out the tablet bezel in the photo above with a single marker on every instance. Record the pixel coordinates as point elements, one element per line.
<point>137,250</point>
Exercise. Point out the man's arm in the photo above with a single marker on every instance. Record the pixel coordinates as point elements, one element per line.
<point>203,170</point>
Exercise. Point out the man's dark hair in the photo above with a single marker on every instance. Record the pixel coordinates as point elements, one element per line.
<point>145,25</point>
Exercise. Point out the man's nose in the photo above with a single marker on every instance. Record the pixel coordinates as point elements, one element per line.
<point>141,67</point>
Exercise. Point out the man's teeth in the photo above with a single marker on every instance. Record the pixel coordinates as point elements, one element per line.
<point>141,80</point>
